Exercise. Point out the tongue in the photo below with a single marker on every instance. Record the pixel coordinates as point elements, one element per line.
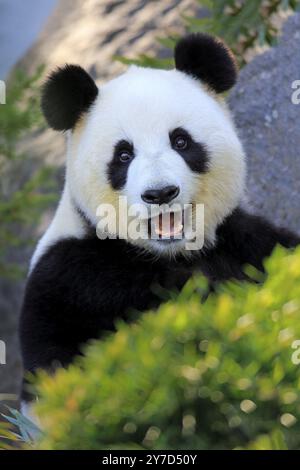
<point>168,225</point>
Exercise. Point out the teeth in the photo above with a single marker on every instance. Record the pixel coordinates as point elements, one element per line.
<point>178,229</point>
<point>170,231</point>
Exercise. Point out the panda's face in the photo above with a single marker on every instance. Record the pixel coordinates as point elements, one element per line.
<point>160,139</point>
<point>153,139</point>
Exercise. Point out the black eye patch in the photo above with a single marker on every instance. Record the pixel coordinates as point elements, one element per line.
<point>194,153</point>
<point>117,168</point>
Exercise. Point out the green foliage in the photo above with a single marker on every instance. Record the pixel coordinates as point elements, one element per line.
<point>27,430</point>
<point>190,376</point>
<point>7,437</point>
<point>21,111</point>
<point>24,193</point>
<point>242,24</point>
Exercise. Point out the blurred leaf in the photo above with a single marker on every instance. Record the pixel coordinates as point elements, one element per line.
<point>28,430</point>
<point>24,192</point>
<point>242,24</point>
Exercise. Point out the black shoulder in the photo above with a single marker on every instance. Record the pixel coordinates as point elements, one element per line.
<point>244,239</point>
<point>253,236</point>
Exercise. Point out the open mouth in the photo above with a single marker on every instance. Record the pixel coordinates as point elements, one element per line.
<point>167,226</point>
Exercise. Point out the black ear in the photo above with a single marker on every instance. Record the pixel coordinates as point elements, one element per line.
<point>208,59</point>
<point>68,92</point>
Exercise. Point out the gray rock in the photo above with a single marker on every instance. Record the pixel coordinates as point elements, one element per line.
<point>269,126</point>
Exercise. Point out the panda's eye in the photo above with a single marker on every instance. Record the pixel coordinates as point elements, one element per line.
<point>180,142</point>
<point>180,139</point>
<point>125,156</point>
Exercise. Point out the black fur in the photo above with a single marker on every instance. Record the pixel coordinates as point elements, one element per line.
<point>77,291</point>
<point>116,169</point>
<point>208,59</point>
<point>66,95</point>
<point>243,239</point>
<point>195,155</point>
<point>80,287</point>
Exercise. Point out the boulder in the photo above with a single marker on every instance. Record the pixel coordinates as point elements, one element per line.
<point>268,124</point>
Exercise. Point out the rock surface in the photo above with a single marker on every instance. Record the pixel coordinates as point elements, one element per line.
<point>269,126</point>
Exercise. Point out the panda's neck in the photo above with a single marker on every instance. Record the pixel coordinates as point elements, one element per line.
<point>66,223</point>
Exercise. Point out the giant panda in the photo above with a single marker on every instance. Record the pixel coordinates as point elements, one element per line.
<point>157,138</point>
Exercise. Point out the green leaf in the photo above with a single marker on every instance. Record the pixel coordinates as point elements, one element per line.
<point>28,430</point>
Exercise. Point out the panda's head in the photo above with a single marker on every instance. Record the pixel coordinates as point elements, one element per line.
<point>162,139</point>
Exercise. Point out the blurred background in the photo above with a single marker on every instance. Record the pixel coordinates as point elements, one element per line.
<point>104,36</point>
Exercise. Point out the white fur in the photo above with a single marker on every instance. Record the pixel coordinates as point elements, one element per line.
<point>143,105</point>
<point>66,223</point>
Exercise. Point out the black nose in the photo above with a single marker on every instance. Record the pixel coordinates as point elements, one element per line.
<point>160,196</point>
